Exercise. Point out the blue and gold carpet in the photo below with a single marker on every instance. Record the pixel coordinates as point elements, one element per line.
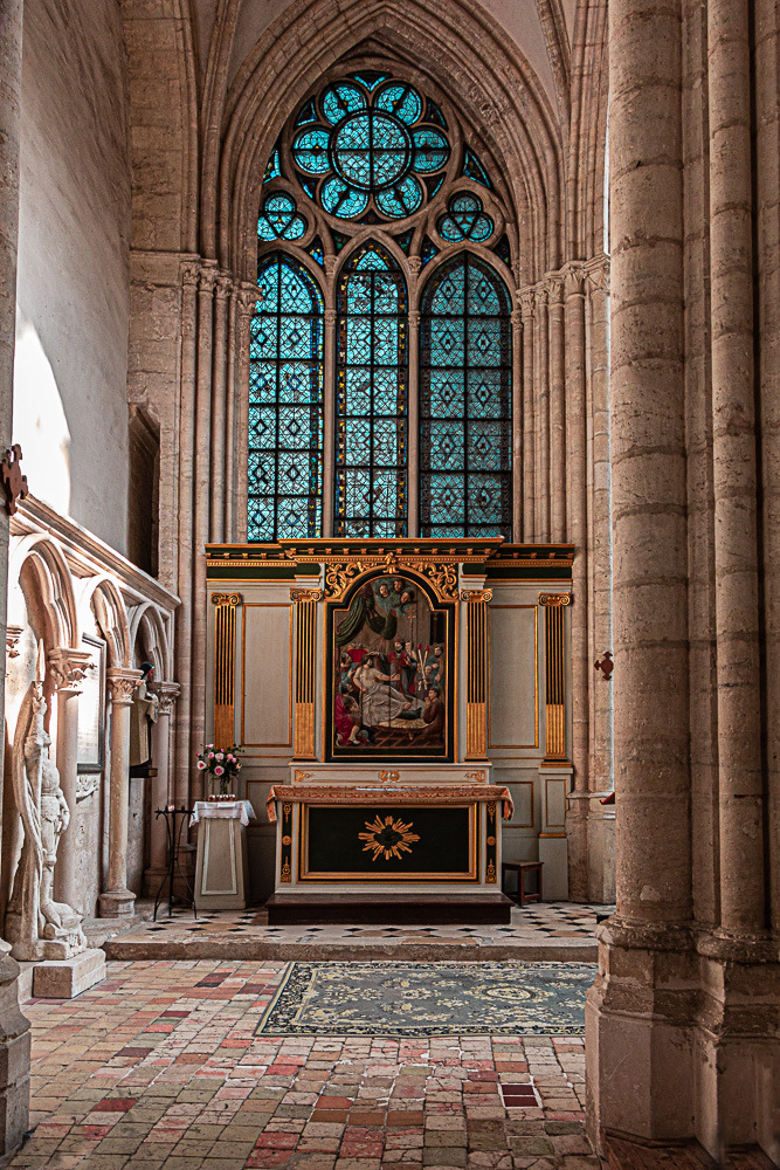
<point>429,999</point>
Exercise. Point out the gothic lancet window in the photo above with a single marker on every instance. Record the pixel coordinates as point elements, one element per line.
<point>285,404</point>
<point>381,346</point>
<point>465,402</point>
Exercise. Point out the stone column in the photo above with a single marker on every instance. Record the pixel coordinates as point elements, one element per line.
<point>116,900</point>
<point>14,1028</point>
<point>221,440</point>
<point>527,310</point>
<point>741,799</point>
<point>162,786</point>
<point>558,452</point>
<point>542,397</point>
<point>641,1004</point>
<point>68,668</point>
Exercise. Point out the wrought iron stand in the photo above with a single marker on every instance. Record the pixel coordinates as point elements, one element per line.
<point>173,828</point>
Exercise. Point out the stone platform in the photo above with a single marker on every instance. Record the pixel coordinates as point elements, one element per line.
<point>551,931</point>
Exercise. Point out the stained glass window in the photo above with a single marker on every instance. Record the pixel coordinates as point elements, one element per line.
<point>465,402</point>
<point>371,397</point>
<point>371,145</point>
<point>375,200</point>
<point>285,403</point>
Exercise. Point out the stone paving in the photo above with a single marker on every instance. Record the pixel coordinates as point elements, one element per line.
<point>159,1067</point>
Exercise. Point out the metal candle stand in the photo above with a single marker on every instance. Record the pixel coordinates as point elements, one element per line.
<point>173,828</point>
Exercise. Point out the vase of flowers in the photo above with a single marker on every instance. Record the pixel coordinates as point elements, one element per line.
<point>222,766</point>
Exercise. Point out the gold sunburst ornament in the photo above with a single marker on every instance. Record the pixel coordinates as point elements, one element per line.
<point>388,837</point>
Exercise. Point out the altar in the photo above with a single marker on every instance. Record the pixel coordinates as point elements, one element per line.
<point>359,676</point>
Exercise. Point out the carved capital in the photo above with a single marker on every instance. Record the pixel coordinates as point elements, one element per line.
<point>167,694</point>
<point>414,319</point>
<point>574,279</point>
<point>541,296</point>
<point>226,599</point>
<point>190,272</point>
<point>527,304</point>
<point>223,286</point>
<point>301,595</point>
<point>68,668</point>
<point>551,600</point>
<point>330,318</point>
<point>516,317</point>
<point>415,263</point>
<point>246,296</point>
<point>472,596</point>
<point>207,279</point>
<point>121,684</point>
<point>329,263</point>
<point>597,274</point>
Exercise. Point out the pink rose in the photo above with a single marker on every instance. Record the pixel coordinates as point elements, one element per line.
<point>218,770</point>
<point>201,765</point>
<point>211,755</point>
<point>220,755</point>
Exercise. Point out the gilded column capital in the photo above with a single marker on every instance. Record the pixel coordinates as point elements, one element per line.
<point>68,668</point>
<point>303,595</point>
<point>473,596</point>
<point>226,599</point>
<point>552,600</point>
<point>122,682</point>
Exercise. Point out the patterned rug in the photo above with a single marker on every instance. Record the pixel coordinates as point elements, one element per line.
<point>429,999</point>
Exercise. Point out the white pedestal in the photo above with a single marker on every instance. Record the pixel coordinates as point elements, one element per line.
<point>221,872</point>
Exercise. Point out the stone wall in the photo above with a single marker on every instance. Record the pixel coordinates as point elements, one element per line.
<point>70,410</point>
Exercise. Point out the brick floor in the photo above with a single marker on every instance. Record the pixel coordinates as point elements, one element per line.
<point>158,1067</point>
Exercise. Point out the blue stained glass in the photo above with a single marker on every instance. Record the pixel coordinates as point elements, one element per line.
<point>340,100</point>
<point>465,402</point>
<point>474,169</point>
<point>465,220</point>
<point>285,403</point>
<point>431,150</point>
<point>402,100</point>
<point>434,114</point>
<point>307,114</point>
<point>316,250</point>
<point>427,252</point>
<point>370,146</point>
<point>371,400</point>
<point>503,251</point>
<point>310,149</point>
<point>279,219</point>
<point>370,79</point>
<point>273,167</point>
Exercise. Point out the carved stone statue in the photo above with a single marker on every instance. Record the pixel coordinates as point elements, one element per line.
<point>37,926</point>
<point>143,714</point>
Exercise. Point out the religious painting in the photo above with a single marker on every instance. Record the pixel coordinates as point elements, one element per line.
<point>390,692</point>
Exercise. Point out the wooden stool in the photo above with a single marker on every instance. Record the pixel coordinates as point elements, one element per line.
<point>521,868</point>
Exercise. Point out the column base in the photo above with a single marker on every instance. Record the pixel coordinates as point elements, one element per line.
<point>116,904</point>
<point>681,1040</point>
<point>14,1059</point>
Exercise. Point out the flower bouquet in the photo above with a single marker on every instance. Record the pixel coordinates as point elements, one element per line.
<point>222,766</point>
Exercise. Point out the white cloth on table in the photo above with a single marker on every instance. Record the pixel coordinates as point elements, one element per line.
<point>222,810</point>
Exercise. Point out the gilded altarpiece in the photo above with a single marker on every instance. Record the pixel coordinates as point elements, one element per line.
<point>394,784</point>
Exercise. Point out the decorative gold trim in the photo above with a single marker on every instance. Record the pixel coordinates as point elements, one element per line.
<point>303,854</point>
<point>518,746</point>
<point>300,777</point>
<point>305,601</point>
<point>225,666</point>
<point>551,836</point>
<point>285,854</point>
<point>555,674</point>
<point>477,671</point>
<point>477,777</point>
<point>267,605</point>
<point>389,777</point>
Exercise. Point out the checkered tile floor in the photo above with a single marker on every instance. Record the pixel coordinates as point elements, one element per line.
<point>539,924</point>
